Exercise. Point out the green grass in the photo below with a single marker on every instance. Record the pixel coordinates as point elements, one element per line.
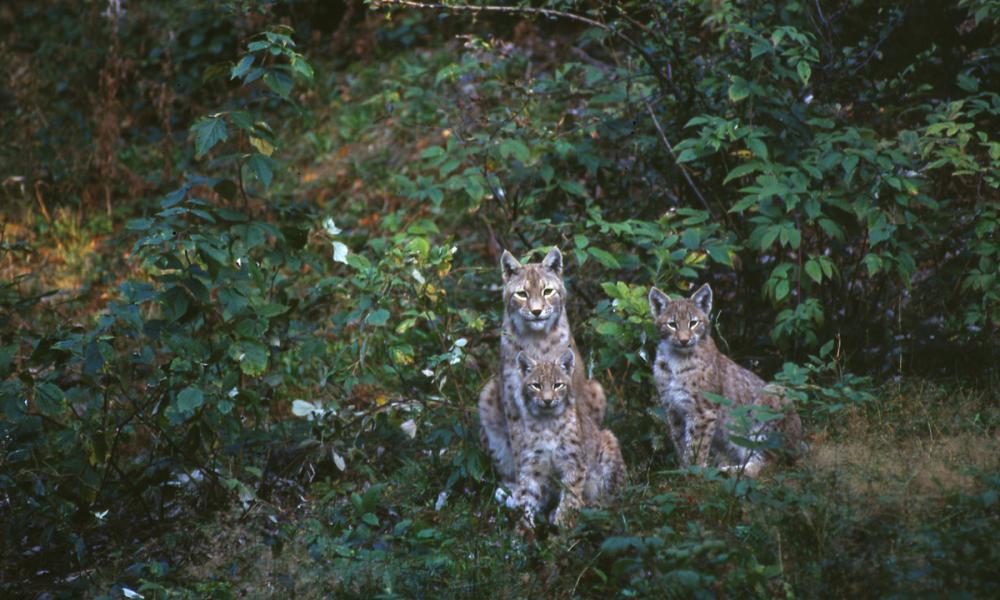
<point>895,498</point>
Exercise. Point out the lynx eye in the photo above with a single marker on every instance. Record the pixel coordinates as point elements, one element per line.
<point>548,291</point>
<point>521,294</point>
<point>672,324</point>
<point>693,323</point>
<point>557,387</point>
<point>535,386</point>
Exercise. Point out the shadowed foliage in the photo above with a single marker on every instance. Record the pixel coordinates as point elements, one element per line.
<point>250,286</point>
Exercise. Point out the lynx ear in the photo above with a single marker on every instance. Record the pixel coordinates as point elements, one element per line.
<point>567,360</point>
<point>553,261</point>
<point>525,363</point>
<point>509,265</point>
<point>703,298</point>
<point>658,302</point>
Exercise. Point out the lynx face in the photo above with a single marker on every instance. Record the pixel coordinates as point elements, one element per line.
<point>534,292</point>
<point>546,384</point>
<point>683,323</point>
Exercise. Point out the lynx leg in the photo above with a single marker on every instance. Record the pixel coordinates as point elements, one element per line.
<point>675,426</point>
<point>493,431</point>
<point>750,462</point>
<point>698,434</point>
<point>528,496</point>
<point>570,498</point>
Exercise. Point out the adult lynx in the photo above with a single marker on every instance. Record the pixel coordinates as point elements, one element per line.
<point>534,322</point>
<point>689,367</point>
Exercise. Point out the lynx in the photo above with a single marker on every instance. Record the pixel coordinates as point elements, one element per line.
<point>688,365</point>
<point>564,460</point>
<point>534,322</point>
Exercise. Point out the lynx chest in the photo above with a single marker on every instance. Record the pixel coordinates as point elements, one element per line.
<point>680,378</point>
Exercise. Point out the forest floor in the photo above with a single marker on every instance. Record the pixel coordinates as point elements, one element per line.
<point>897,496</point>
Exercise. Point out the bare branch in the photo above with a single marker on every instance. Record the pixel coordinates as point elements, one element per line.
<point>683,169</point>
<point>530,10</point>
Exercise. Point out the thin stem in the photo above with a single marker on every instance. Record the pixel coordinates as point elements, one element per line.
<point>683,169</point>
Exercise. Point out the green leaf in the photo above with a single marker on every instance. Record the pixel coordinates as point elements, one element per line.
<point>741,170</point>
<point>139,224</point>
<point>814,271</point>
<point>719,254</point>
<point>49,399</point>
<point>769,236</point>
<point>515,148</point>
<point>251,355</point>
<point>242,67</point>
<point>378,317</point>
<point>7,354</point>
<point>573,187</point>
<point>608,328</point>
<point>279,83</point>
<point>604,257</point>
<point>261,167</point>
<point>303,68</point>
<point>739,89</point>
<point>190,399</point>
<point>850,163</point>
<point>805,71</point>
<point>781,290</point>
<point>686,155</point>
<point>757,146</point>
<point>873,263</point>
<point>208,132</point>
<point>432,152</point>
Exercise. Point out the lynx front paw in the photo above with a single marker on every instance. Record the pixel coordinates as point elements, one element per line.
<point>564,518</point>
<point>526,524</point>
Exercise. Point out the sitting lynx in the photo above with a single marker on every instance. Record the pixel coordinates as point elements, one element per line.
<point>687,365</point>
<point>534,322</point>
<point>564,460</point>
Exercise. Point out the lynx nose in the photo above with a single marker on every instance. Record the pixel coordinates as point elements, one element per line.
<point>536,311</point>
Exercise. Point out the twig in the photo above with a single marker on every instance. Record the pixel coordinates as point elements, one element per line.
<point>41,202</point>
<point>530,10</point>
<point>683,169</point>
<point>547,12</point>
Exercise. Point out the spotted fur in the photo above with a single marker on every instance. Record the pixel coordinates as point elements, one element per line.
<point>688,365</point>
<point>534,322</point>
<point>563,459</point>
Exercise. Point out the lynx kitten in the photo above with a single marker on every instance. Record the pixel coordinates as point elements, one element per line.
<point>688,365</point>
<point>564,460</point>
<point>534,322</point>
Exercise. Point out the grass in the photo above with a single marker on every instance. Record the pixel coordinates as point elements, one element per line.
<point>897,497</point>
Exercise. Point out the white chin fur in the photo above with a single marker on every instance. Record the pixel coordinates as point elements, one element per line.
<point>538,325</point>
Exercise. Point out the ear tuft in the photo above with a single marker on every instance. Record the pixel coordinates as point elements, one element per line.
<point>553,261</point>
<point>509,265</point>
<point>525,363</point>
<point>567,360</point>
<point>658,302</point>
<point>702,298</point>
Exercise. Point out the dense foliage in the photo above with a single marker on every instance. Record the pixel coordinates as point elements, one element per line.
<point>249,259</point>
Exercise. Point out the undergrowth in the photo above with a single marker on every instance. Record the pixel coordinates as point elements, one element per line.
<point>250,291</point>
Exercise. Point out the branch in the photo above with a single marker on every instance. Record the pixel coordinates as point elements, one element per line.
<point>683,169</point>
<point>530,10</point>
<point>546,12</point>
